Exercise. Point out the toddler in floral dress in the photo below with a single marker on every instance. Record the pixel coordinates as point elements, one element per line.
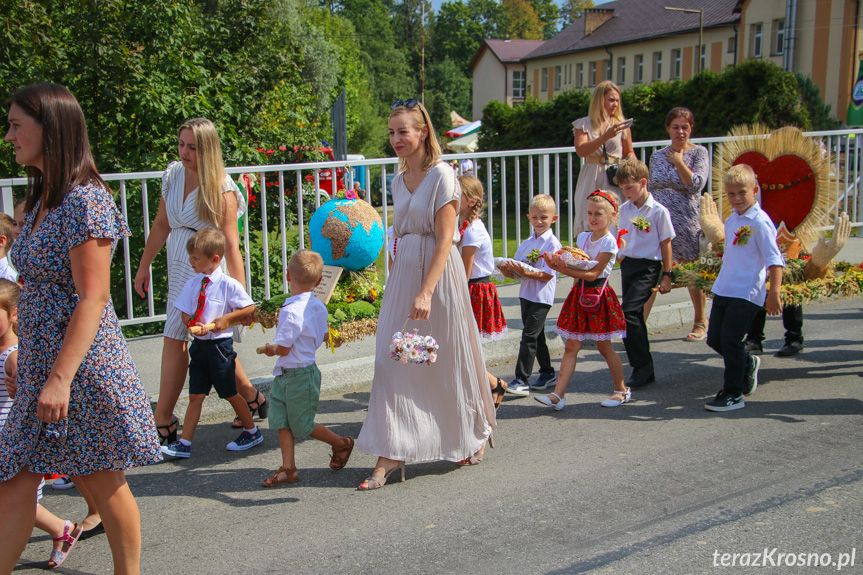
<point>591,310</point>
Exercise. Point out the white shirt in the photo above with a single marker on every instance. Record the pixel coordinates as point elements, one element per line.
<point>744,267</point>
<point>467,166</point>
<point>645,244</point>
<point>302,327</point>
<point>7,271</point>
<point>483,259</point>
<point>391,243</point>
<point>536,290</point>
<point>605,244</point>
<point>224,294</point>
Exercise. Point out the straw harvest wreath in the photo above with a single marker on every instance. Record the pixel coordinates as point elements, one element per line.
<point>798,193</point>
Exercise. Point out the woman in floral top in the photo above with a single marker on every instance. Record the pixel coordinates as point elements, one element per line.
<point>678,174</point>
<point>80,409</point>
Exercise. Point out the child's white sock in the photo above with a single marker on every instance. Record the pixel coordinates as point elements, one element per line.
<point>186,443</point>
<point>251,431</point>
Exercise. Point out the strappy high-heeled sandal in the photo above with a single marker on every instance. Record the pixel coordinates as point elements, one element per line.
<point>378,481</point>
<point>291,476</point>
<point>261,407</point>
<point>474,459</point>
<point>171,436</point>
<point>339,461</point>
<point>498,392</point>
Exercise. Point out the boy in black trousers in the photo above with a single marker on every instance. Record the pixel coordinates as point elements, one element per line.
<point>646,225</point>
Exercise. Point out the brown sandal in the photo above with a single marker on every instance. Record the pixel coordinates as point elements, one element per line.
<point>498,392</point>
<point>291,476</point>
<point>339,461</point>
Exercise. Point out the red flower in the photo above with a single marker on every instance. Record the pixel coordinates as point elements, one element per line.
<point>283,148</point>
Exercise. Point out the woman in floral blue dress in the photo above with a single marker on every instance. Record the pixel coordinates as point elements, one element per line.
<point>80,409</point>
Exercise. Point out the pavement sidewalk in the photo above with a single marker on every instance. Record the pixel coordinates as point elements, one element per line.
<point>351,367</point>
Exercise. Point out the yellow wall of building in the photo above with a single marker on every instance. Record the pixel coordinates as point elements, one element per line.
<point>716,58</point>
<point>828,38</point>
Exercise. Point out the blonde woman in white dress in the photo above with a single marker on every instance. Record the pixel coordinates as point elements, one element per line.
<point>603,127</point>
<point>196,194</point>
<point>441,411</point>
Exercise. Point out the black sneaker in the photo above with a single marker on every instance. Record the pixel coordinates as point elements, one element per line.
<point>790,349</point>
<point>725,401</point>
<point>751,381</point>
<point>753,347</point>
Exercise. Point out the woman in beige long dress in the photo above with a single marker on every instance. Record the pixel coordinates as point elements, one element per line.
<point>603,127</point>
<point>443,410</point>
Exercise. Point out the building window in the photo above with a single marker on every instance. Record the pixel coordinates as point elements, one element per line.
<point>778,37</point>
<point>675,63</point>
<point>639,69</point>
<point>579,75</point>
<point>557,77</point>
<point>757,31</point>
<point>621,70</point>
<point>518,84</point>
<point>591,74</point>
<point>732,45</point>
<point>543,86</point>
<point>657,66</point>
<point>607,70</point>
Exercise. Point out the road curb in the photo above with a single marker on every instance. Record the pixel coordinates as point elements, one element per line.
<point>355,375</point>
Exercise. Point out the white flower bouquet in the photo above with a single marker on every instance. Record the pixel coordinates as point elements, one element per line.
<point>412,347</point>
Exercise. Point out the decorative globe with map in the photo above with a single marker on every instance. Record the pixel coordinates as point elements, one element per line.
<point>347,233</point>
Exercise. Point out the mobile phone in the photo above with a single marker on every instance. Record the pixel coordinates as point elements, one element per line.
<point>627,123</point>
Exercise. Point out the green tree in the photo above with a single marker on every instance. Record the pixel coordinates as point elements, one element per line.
<point>448,88</point>
<point>549,15</point>
<point>524,22</point>
<point>572,10</point>
<point>390,76</point>
<point>810,94</point>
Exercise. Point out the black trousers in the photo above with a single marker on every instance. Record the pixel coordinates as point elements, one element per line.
<point>638,278</point>
<point>730,317</point>
<point>792,319</point>
<point>533,344</point>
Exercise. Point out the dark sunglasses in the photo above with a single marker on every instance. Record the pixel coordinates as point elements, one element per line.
<point>412,103</point>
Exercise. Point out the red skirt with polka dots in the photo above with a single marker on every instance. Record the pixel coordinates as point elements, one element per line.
<point>487,310</point>
<point>602,324</point>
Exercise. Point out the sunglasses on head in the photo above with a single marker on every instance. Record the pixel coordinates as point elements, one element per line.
<point>412,103</point>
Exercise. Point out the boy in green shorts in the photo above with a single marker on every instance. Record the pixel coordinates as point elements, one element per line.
<point>297,387</point>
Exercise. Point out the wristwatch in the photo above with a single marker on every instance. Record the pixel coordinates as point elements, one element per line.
<point>669,274</point>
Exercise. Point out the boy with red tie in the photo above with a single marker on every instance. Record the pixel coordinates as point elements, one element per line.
<point>211,301</point>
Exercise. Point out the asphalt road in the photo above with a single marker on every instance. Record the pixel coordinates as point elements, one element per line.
<point>658,485</point>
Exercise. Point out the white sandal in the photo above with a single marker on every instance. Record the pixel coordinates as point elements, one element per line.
<point>543,399</point>
<point>627,395</point>
<point>692,336</point>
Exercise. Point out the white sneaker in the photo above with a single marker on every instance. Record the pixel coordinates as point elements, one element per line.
<point>518,387</point>
<point>63,483</point>
<point>546,400</point>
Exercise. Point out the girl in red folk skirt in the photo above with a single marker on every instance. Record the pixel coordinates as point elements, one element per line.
<point>591,311</point>
<point>476,252</point>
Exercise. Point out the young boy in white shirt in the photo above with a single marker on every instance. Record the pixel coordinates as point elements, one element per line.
<point>297,387</point>
<point>211,301</point>
<point>7,236</point>
<point>536,295</point>
<point>750,254</point>
<point>646,225</point>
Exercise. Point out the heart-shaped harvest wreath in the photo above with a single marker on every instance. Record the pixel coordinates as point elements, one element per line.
<point>793,173</point>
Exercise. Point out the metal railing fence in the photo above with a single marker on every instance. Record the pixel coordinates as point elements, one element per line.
<point>511,179</point>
